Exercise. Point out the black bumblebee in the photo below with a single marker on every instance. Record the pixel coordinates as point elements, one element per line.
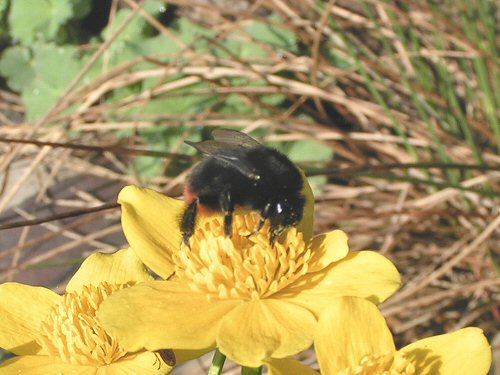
<point>239,171</point>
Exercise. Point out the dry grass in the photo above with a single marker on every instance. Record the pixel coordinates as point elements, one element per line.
<point>439,226</point>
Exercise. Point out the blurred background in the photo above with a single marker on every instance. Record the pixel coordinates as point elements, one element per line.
<point>392,108</point>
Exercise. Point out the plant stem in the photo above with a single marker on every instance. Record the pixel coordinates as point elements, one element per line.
<point>251,371</point>
<point>217,363</point>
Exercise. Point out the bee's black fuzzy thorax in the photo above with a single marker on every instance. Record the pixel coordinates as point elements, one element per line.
<point>239,171</point>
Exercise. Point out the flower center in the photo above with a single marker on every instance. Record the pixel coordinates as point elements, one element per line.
<point>73,333</point>
<point>382,364</point>
<point>244,266</point>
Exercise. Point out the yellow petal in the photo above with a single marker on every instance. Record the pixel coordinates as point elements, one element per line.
<point>22,310</point>
<point>265,328</point>
<point>328,248</point>
<point>348,330</point>
<point>162,314</point>
<point>118,268</point>
<point>363,274</point>
<point>41,365</point>
<point>288,367</point>
<point>465,351</point>
<point>150,221</point>
<point>145,363</point>
<point>307,222</point>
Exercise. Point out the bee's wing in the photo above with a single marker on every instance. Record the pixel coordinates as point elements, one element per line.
<point>234,137</point>
<point>225,142</point>
<point>212,147</point>
<point>231,153</point>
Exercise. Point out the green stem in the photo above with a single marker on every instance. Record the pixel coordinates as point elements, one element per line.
<point>217,363</point>
<point>251,371</point>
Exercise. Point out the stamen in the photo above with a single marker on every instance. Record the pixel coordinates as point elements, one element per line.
<point>244,266</point>
<point>382,364</point>
<point>73,333</point>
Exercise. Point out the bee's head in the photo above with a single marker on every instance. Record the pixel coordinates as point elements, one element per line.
<point>288,212</point>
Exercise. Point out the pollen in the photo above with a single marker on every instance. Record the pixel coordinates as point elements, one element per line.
<point>382,364</point>
<point>72,332</point>
<point>245,266</point>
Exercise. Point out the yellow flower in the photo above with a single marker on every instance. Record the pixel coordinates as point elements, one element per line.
<point>53,334</point>
<point>251,300</point>
<point>352,337</point>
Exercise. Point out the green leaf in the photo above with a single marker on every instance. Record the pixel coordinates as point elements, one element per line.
<point>123,48</point>
<point>309,150</point>
<point>235,104</point>
<point>81,8</point>
<point>54,68</point>
<point>159,45</point>
<point>241,47</point>
<point>4,6</point>
<point>180,101</point>
<point>146,166</point>
<point>32,20</point>
<point>273,34</point>
<point>269,34</point>
<point>135,40</point>
<point>189,31</point>
<point>15,66</point>
<point>273,99</point>
<point>159,139</point>
<point>131,33</point>
<point>155,7</point>
<point>335,58</point>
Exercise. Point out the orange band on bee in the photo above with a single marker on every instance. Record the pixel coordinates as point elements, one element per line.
<point>190,197</point>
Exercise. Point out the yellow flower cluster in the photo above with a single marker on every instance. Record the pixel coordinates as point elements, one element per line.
<point>257,303</point>
<point>53,334</point>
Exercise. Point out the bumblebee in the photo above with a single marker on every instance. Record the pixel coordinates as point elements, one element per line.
<point>238,171</point>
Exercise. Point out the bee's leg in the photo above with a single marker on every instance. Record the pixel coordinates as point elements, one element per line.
<point>273,238</point>
<point>275,231</point>
<point>227,206</point>
<point>264,215</point>
<point>188,221</point>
